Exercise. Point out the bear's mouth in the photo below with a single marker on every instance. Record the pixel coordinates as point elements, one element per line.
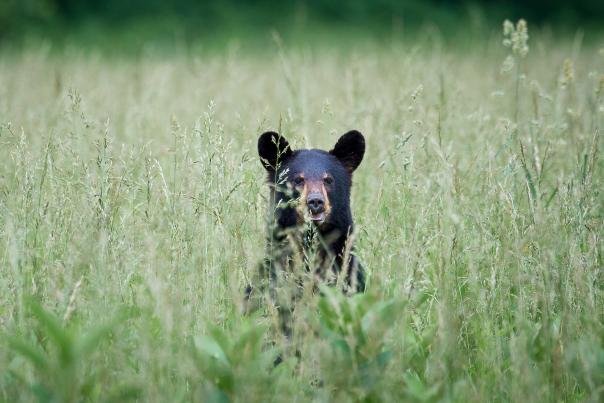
<point>307,216</point>
<point>316,217</point>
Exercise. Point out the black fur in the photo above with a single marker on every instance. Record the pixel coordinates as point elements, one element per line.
<point>287,234</point>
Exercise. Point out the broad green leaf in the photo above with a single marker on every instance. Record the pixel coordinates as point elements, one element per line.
<point>213,363</point>
<point>42,393</point>
<point>207,345</point>
<point>248,345</point>
<point>416,389</point>
<point>86,343</point>
<point>31,353</point>
<point>124,393</point>
<point>54,330</point>
<point>382,314</point>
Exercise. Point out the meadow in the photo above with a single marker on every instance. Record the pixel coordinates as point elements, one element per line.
<point>133,213</point>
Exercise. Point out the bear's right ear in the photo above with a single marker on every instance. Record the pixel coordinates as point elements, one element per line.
<point>350,150</point>
<point>273,150</point>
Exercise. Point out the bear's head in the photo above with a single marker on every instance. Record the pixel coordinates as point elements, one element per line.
<point>312,185</point>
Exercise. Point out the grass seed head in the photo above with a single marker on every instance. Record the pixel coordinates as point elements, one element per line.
<point>567,77</point>
<point>516,37</point>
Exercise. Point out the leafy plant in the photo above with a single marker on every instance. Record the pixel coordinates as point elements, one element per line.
<point>58,358</point>
<point>356,329</point>
<point>235,364</point>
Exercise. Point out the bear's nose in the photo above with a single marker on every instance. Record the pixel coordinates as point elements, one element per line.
<point>316,203</point>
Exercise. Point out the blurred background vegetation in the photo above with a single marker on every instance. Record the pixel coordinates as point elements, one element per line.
<point>128,24</point>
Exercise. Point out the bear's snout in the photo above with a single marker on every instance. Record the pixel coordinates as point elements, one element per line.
<point>316,203</point>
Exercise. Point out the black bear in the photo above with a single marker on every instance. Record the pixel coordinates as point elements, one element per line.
<point>310,225</point>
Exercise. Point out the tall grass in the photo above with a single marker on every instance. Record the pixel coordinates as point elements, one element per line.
<point>133,208</point>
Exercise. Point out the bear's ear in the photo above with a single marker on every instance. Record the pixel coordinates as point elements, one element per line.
<point>350,149</point>
<point>273,150</point>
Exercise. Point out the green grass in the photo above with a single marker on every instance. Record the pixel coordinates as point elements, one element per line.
<point>133,207</point>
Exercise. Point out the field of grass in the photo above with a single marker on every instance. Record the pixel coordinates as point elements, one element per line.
<point>133,209</point>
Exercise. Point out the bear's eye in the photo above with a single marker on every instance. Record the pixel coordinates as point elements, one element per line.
<point>298,181</point>
<point>328,180</point>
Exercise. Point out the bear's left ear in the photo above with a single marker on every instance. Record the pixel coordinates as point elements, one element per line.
<point>350,149</point>
<point>273,149</point>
